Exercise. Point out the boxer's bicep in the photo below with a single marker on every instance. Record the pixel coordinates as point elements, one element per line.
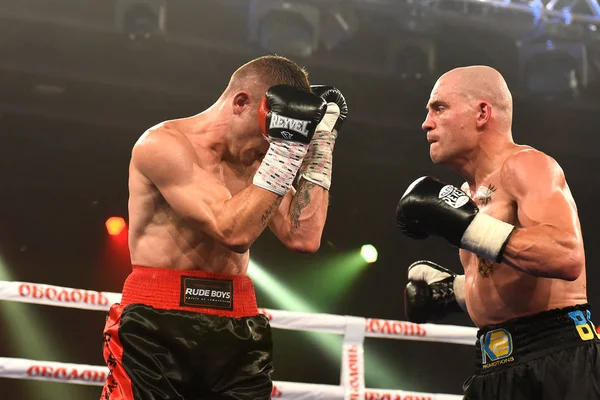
<point>172,168</point>
<point>548,241</point>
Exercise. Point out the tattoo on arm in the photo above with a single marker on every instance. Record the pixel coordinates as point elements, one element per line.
<point>486,267</point>
<point>300,202</point>
<point>267,214</point>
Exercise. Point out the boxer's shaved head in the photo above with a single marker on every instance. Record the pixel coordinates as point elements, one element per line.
<point>480,83</point>
<point>469,108</point>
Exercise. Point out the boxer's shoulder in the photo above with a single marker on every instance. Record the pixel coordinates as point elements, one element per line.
<point>164,134</point>
<point>162,148</point>
<point>525,157</point>
<point>165,138</point>
<point>528,168</point>
<point>524,163</point>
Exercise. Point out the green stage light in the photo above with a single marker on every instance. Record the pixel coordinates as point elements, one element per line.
<point>31,339</point>
<point>377,368</point>
<point>369,253</point>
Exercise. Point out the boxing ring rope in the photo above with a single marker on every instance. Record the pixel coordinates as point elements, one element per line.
<point>353,329</point>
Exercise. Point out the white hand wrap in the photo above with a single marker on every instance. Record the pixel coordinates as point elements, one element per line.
<point>280,166</point>
<point>486,236</point>
<point>317,166</point>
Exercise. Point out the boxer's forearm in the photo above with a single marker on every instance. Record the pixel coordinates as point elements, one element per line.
<point>301,218</point>
<point>545,251</point>
<point>239,221</point>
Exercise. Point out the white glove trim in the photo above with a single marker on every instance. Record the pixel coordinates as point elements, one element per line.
<point>486,236</point>
<point>427,273</point>
<point>459,291</point>
<point>331,116</point>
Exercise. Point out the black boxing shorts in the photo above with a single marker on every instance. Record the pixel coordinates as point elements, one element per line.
<point>551,355</point>
<point>187,335</point>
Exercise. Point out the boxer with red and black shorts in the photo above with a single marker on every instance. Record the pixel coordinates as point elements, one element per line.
<point>187,334</point>
<point>202,190</point>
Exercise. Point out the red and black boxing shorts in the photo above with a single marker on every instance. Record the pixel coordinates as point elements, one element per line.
<point>550,355</point>
<point>187,335</point>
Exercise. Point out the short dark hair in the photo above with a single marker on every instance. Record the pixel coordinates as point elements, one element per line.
<point>272,70</point>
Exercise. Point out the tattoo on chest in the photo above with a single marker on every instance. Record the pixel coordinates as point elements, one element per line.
<point>300,202</point>
<point>267,214</point>
<point>486,267</point>
<point>486,196</point>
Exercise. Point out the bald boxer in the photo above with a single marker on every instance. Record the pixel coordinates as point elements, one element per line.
<point>516,224</point>
<point>202,190</point>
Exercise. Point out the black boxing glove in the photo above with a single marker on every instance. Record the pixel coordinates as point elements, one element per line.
<point>431,207</point>
<point>432,292</point>
<point>317,165</point>
<point>290,114</point>
<point>288,118</point>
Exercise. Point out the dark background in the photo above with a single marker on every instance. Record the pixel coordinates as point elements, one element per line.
<point>76,93</point>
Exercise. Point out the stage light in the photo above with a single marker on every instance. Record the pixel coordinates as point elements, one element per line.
<point>141,19</point>
<point>553,70</point>
<point>412,58</point>
<point>369,253</point>
<point>115,225</point>
<point>284,297</point>
<point>286,28</point>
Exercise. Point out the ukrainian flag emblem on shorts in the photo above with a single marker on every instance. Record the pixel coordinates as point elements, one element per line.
<point>496,345</point>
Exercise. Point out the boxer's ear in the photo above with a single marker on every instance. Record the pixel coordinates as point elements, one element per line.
<point>484,114</point>
<point>240,101</point>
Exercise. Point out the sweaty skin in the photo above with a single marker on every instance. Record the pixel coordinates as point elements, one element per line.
<point>191,207</point>
<point>496,292</point>
<point>543,267</point>
<point>161,237</point>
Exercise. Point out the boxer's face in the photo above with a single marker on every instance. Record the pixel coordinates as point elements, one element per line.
<point>249,143</point>
<point>449,124</point>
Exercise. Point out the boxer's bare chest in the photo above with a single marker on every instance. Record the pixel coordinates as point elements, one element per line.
<point>492,200</point>
<point>171,241</point>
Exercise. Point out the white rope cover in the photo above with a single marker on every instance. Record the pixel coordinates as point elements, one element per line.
<point>18,368</point>
<point>37,293</point>
<point>354,330</point>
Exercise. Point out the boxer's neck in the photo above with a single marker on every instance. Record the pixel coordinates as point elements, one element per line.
<point>485,161</point>
<point>208,131</point>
